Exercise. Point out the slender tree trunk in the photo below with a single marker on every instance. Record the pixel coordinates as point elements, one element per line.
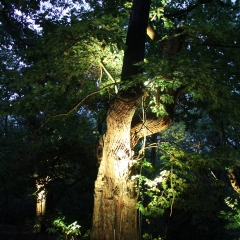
<point>40,203</point>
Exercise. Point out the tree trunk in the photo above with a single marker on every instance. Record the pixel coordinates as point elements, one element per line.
<point>115,195</point>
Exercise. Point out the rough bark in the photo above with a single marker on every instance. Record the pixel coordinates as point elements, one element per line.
<point>233,177</point>
<point>152,124</point>
<point>115,196</point>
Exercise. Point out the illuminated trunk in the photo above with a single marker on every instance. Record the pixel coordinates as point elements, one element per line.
<point>40,201</point>
<point>115,196</point>
<point>41,197</point>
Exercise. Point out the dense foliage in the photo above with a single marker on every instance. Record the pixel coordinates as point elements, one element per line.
<point>60,69</point>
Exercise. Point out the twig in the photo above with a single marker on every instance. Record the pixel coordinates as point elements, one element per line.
<point>110,76</point>
<point>74,108</point>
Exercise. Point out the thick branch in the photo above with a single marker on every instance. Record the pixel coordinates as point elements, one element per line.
<point>173,44</point>
<point>170,46</point>
<point>152,124</point>
<point>234,180</point>
<point>152,34</point>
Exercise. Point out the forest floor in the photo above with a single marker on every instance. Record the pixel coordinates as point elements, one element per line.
<point>11,232</point>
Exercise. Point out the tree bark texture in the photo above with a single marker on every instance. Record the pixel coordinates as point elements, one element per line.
<point>233,177</point>
<point>115,196</point>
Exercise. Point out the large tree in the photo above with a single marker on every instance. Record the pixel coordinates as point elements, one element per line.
<point>115,191</point>
<point>115,194</point>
